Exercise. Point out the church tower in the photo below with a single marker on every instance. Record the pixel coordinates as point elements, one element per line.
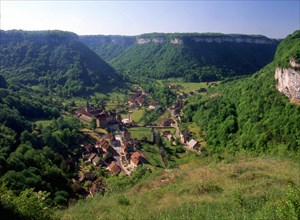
<point>87,107</point>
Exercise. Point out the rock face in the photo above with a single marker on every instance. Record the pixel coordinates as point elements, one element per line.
<point>288,81</point>
<point>233,40</point>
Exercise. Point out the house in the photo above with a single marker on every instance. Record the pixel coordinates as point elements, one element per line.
<point>184,95</point>
<point>176,111</point>
<point>91,157</point>
<point>104,145</point>
<point>86,176</point>
<point>101,120</point>
<point>114,127</point>
<point>137,158</point>
<point>180,118</point>
<point>126,135</point>
<point>109,137</point>
<point>191,93</point>
<point>108,157</point>
<point>90,148</point>
<point>202,90</point>
<point>167,122</point>
<point>87,113</point>
<point>140,100</point>
<point>192,144</point>
<point>170,137</point>
<point>97,186</point>
<point>97,161</point>
<point>114,168</point>
<point>184,136</point>
<point>127,146</point>
<point>126,121</point>
<point>173,86</point>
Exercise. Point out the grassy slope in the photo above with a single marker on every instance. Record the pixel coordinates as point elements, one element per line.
<point>244,188</point>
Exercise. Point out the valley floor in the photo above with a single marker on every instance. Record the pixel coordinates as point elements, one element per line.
<point>203,188</point>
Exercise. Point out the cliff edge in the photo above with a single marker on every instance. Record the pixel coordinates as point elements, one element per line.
<point>288,81</point>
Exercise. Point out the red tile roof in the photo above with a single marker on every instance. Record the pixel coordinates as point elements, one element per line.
<point>114,168</point>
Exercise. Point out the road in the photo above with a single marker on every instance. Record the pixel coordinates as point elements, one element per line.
<point>119,161</point>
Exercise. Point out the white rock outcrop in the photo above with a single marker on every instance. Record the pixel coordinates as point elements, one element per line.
<point>176,41</point>
<point>232,40</point>
<point>288,81</point>
<point>156,40</point>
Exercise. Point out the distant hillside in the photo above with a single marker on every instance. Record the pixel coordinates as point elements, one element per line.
<point>196,57</point>
<point>53,59</point>
<point>107,47</point>
<point>250,113</point>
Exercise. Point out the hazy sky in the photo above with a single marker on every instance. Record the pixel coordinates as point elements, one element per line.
<point>271,18</point>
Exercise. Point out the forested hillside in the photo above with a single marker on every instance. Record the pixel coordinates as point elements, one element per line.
<point>195,57</point>
<point>53,60</point>
<point>37,161</point>
<point>250,113</point>
<point>107,47</point>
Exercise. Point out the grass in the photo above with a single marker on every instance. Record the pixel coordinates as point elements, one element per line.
<point>195,129</point>
<point>246,188</point>
<point>153,156</point>
<point>141,132</point>
<point>93,134</point>
<point>137,115</point>
<point>172,130</point>
<point>188,87</point>
<point>42,122</point>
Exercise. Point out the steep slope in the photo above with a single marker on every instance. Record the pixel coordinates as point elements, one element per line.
<point>53,59</point>
<point>196,57</point>
<point>248,188</point>
<point>287,73</point>
<point>250,113</point>
<point>107,47</point>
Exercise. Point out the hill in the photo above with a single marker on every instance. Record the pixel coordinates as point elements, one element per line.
<point>250,113</point>
<point>195,57</point>
<point>252,188</point>
<point>54,60</point>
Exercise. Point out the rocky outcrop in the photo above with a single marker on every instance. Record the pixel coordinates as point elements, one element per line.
<point>148,40</point>
<point>176,41</point>
<point>288,81</point>
<point>233,40</point>
<point>208,39</point>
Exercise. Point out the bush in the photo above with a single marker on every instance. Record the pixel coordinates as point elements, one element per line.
<point>123,201</point>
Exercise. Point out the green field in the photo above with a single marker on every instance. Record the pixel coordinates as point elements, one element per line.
<point>188,87</point>
<point>172,130</point>
<point>141,132</point>
<point>43,123</point>
<point>195,130</point>
<point>137,115</point>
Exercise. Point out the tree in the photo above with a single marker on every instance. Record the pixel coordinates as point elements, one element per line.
<point>93,124</point>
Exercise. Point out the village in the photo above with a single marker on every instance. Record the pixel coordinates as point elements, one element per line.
<point>115,151</point>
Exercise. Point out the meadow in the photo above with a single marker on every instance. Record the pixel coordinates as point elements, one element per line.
<point>244,188</point>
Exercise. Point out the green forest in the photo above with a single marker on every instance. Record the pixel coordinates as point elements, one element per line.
<point>55,62</point>
<point>194,61</point>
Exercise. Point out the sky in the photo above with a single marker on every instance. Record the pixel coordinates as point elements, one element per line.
<point>275,19</point>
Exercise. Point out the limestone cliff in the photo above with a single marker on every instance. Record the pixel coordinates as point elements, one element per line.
<point>288,81</point>
<point>206,39</point>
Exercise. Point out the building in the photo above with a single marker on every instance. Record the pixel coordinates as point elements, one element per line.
<point>167,122</point>
<point>114,168</point>
<point>137,158</point>
<point>192,144</point>
<point>170,137</point>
